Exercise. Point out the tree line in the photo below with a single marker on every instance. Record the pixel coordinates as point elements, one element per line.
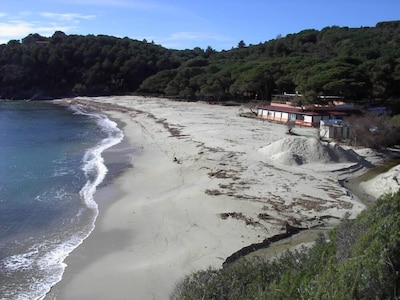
<point>360,64</point>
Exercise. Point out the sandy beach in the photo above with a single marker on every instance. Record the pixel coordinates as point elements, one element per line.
<point>203,183</point>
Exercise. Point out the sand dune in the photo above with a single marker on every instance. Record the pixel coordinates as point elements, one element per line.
<point>386,183</point>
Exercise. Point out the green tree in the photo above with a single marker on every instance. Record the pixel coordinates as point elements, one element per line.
<point>158,83</point>
<point>337,77</point>
<point>241,44</point>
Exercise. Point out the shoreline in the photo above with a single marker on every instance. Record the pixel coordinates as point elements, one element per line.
<point>165,221</point>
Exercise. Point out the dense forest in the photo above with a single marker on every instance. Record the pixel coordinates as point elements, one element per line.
<point>359,260</point>
<point>360,64</point>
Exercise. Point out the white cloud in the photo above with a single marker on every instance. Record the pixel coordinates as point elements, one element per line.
<point>20,29</point>
<point>24,23</point>
<point>14,29</point>
<point>67,16</point>
<point>25,14</point>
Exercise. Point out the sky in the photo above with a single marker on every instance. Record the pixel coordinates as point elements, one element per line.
<point>186,24</point>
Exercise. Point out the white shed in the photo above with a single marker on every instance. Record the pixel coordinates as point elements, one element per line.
<point>334,129</point>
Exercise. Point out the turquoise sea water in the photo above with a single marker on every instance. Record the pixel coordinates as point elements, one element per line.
<point>50,167</point>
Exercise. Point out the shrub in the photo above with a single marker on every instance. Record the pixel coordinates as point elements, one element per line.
<point>359,261</point>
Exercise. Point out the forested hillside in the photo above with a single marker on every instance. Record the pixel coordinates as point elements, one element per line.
<point>360,64</point>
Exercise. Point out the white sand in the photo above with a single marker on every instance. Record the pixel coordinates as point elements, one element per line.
<point>165,222</point>
<point>297,150</point>
<point>386,183</point>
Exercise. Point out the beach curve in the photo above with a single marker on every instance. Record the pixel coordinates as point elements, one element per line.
<point>167,214</point>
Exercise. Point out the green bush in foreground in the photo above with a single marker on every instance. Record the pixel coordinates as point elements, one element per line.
<point>360,260</point>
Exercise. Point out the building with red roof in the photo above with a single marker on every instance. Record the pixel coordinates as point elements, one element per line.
<point>305,115</point>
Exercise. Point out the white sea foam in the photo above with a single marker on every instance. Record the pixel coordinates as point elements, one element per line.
<point>33,257</point>
<point>50,267</point>
<point>93,163</point>
<point>20,261</point>
<point>95,172</point>
<point>94,167</point>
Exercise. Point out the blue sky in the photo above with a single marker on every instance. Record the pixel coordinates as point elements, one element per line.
<point>185,24</point>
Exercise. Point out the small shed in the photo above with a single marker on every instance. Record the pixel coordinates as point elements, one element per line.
<point>334,129</point>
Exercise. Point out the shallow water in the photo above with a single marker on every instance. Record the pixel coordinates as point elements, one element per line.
<point>384,167</point>
<point>50,166</point>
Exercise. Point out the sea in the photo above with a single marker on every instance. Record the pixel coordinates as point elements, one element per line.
<point>51,164</point>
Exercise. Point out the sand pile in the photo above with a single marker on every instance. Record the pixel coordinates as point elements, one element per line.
<point>303,150</point>
<point>386,183</point>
